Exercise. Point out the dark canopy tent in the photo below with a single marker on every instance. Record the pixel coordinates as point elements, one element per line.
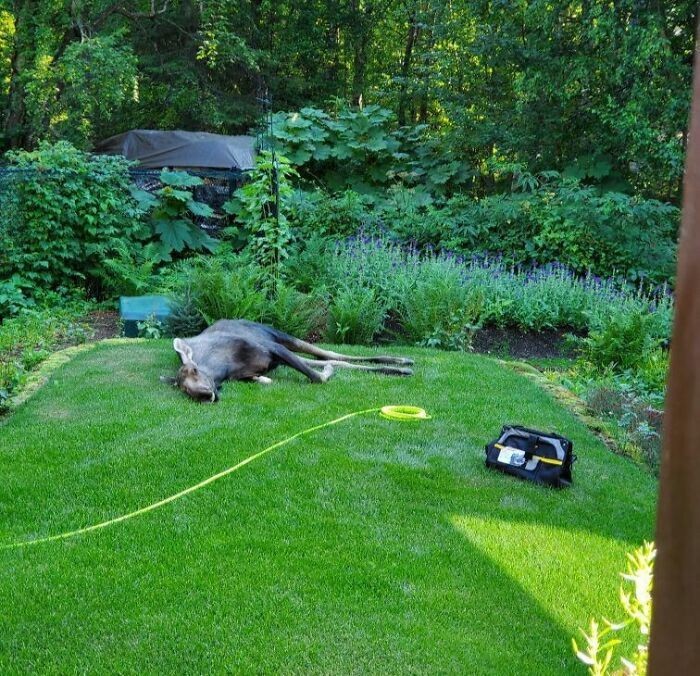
<point>154,149</point>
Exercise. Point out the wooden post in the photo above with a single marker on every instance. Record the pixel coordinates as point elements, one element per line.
<point>675,625</point>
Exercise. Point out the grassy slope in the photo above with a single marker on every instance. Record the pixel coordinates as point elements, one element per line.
<point>371,546</point>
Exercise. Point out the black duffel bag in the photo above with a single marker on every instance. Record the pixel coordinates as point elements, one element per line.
<point>542,457</point>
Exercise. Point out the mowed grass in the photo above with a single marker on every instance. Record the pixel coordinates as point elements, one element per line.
<point>369,547</point>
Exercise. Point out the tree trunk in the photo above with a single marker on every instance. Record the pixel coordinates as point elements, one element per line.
<point>362,17</point>
<point>15,122</point>
<point>411,38</point>
<point>359,70</point>
<point>675,629</point>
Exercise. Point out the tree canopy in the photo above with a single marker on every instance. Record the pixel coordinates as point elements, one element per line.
<point>593,88</point>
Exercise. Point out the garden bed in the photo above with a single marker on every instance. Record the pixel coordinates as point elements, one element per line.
<point>519,344</point>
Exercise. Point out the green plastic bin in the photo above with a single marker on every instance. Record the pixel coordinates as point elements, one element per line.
<point>134,309</point>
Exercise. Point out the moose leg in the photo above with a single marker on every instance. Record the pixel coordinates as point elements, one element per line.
<point>288,358</point>
<point>297,345</point>
<point>386,370</point>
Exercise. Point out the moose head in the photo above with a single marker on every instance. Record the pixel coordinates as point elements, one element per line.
<point>192,379</point>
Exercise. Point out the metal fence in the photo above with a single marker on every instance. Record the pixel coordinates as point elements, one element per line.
<point>217,187</point>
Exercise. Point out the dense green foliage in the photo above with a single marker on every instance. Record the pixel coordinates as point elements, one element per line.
<point>361,148</point>
<point>368,546</point>
<point>170,211</point>
<point>27,340</point>
<point>375,288</point>
<point>232,286</point>
<point>74,221</point>
<point>63,211</point>
<point>597,89</point>
<point>261,205</point>
<point>545,219</point>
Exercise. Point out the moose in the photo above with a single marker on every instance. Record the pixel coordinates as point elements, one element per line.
<point>237,349</point>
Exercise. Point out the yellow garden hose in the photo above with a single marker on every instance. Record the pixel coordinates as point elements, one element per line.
<point>398,413</point>
<point>403,413</point>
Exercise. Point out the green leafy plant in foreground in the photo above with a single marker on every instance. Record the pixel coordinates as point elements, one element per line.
<point>132,271</point>
<point>622,342</point>
<point>226,287</point>
<point>151,328</point>
<point>600,640</point>
<point>297,313</point>
<point>15,295</point>
<point>441,310</point>
<point>355,316</point>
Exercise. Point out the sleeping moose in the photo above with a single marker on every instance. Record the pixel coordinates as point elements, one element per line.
<point>242,350</point>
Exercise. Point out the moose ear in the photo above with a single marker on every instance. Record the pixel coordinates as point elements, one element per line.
<point>184,350</point>
<point>169,380</point>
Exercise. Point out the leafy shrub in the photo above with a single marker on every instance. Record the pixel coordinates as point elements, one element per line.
<point>131,271</point>
<point>441,310</point>
<point>546,219</point>
<point>623,342</point>
<point>355,316</point>
<point>354,146</point>
<point>374,263</point>
<point>599,650</point>
<point>413,216</point>
<point>361,149</point>
<point>15,295</point>
<point>219,288</point>
<point>316,213</point>
<point>96,77</point>
<point>300,314</point>
<point>73,210</point>
<point>547,297</point>
<point>170,211</point>
<point>260,206</point>
<point>560,220</point>
<point>150,328</point>
<point>306,266</point>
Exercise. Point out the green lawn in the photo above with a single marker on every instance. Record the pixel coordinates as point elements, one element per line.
<point>371,546</point>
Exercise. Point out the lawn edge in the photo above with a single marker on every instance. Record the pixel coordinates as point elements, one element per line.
<point>566,398</point>
<point>42,374</point>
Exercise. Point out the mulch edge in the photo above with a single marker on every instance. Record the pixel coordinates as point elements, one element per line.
<point>42,373</point>
<point>568,400</point>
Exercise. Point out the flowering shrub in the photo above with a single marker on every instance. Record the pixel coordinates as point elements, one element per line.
<point>414,284</point>
<point>539,221</point>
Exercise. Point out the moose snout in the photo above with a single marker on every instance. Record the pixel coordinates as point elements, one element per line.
<point>208,397</point>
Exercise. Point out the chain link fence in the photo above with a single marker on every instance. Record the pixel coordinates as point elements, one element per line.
<point>217,187</point>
